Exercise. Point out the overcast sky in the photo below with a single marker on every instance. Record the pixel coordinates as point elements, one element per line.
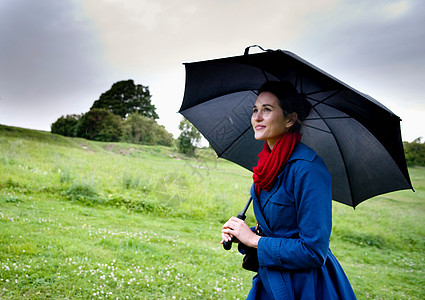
<point>58,57</point>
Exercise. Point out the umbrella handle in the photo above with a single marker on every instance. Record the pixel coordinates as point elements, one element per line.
<point>228,245</point>
<point>246,52</point>
<point>242,216</point>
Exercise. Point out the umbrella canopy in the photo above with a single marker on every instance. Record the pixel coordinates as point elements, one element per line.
<point>358,138</point>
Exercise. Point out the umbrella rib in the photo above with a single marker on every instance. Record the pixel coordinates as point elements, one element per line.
<point>323,100</point>
<point>328,118</point>
<point>342,156</point>
<point>319,129</point>
<point>265,75</point>
<point>318,92</point>
<point>227,148</point>
<point>298,82</point>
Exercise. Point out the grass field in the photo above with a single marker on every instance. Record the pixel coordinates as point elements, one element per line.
<point>82,219</point>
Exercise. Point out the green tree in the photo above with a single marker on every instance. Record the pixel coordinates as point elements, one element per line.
<point>65,125</point>
<point>139,129</point>
<point>415,153</point>
<point>188,138</point>
<point>162,136</point>
<point>100,125</point>
<point>125,98</point>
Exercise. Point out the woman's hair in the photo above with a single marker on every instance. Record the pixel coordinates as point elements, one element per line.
<point>289,100</point>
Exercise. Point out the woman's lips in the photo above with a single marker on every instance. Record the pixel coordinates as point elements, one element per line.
<point>259,127</point>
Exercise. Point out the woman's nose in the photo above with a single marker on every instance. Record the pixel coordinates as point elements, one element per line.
<point>258,116</point>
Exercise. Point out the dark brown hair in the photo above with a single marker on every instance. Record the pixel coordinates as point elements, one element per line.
<point>289,100</point>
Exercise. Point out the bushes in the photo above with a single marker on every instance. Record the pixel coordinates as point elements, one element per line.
<point>66,125</point>
<point>415,153</point>
<point>138,129</point>
<point>100,125</point>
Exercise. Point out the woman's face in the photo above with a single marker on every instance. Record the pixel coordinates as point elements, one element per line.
<point>268,120</point>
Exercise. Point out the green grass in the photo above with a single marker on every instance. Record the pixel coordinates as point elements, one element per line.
<point>82,219</point>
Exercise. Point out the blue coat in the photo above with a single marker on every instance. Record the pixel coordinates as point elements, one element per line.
<point>296,218</point>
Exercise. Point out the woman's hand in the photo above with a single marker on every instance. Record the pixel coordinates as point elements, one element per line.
<point>237,228</point>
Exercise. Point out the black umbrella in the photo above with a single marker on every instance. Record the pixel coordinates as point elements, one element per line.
<point>358,138</point>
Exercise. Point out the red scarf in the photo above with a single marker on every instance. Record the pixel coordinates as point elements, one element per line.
<point>270,163</point>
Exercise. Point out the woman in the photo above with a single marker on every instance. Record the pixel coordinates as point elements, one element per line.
<point>292,204</point>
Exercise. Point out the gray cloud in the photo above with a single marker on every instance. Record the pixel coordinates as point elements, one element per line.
<point>49,57</point>
<point>57,57</point>
<point>383,41</point>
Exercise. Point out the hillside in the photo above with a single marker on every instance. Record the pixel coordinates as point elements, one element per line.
<point>85,219</point>
<point>148,178</point>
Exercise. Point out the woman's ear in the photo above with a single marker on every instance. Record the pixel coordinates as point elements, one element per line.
<point>292,118</point>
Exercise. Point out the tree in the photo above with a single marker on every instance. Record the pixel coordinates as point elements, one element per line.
<point>415,153</point>
<point>100,125</point>
<point>65,125</point>
<point>189,136</point>
<point>139,129</point>
<point>162,136</point>
<point>125,98</point>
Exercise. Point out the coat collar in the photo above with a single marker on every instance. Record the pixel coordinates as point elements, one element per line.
<point>301,152</point>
